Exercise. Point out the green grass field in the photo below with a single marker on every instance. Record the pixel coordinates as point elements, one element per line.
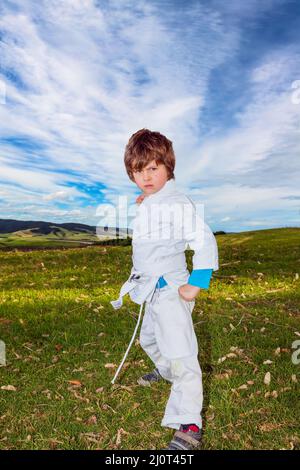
<point>26,238</point>
<point>64,341</point>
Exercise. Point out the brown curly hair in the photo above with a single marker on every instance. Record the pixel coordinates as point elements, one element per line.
<point>145,146</point>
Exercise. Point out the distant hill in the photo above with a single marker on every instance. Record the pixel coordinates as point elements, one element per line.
<point>41,233</point>
<point>41,227</point>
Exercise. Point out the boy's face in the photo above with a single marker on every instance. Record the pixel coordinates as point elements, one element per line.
<point>151,178</point>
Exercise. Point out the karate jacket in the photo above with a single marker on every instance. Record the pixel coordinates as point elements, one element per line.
<point>166,224</point>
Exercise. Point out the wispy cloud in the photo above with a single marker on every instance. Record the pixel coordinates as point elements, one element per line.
<point>81,76</point>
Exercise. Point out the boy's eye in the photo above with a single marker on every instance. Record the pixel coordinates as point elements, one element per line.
<point>153,168</point>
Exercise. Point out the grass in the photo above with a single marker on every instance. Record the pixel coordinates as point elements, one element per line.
<point>64,341</point>
<point>64,237</point>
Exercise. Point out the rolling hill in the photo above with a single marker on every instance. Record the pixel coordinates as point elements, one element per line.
<point>15,233</point>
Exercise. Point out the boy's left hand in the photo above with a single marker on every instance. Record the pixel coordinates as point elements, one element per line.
<point>188,292</point>
<point>140,198</point>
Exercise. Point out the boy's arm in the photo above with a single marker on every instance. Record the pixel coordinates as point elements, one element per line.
<point>199,279</point>
<point>203,242</point>
<point>205,259</point>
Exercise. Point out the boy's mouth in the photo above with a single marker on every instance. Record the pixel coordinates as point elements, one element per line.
<point>148,186</point>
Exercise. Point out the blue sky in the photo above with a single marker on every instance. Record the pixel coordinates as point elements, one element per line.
<point>220,79</point>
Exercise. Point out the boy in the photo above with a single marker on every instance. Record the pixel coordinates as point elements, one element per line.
<point>160,279</point>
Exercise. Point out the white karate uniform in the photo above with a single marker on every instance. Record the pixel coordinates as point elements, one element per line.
<point>167,333</point>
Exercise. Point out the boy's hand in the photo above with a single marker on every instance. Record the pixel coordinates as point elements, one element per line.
<point>140,198</point>
<point>188,292</point>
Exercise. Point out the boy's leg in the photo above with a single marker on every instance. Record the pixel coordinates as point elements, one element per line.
<point>149,344</point>
<point>185,401</point>
<point>177,344</point>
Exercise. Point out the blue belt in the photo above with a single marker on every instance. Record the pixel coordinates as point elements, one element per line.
<point>161,282</point>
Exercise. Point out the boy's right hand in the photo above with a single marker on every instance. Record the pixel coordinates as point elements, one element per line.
<point>140,198</point>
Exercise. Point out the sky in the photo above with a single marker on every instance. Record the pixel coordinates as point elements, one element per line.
<point>220,79</point>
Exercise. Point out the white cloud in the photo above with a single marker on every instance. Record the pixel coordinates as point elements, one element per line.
<point>28,178</point>
<point>244,201</point>
<point>82,78</point>
<point>82,101</point>
<point>58,195</point>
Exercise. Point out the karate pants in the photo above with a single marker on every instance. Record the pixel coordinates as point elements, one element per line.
<point>168,338</point>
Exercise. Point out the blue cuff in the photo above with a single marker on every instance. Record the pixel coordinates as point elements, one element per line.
<point>200,278</point>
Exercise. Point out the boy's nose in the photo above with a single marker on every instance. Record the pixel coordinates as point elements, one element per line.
<point>146,177</point>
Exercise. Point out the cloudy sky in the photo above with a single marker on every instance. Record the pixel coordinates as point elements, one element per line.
<point>219,79</point>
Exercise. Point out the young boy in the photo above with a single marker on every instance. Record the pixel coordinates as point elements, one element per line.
<point>160,279</point>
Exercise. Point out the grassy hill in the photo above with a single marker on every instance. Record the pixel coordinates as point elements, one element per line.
<point>18,233</point>
<point>64,342</point>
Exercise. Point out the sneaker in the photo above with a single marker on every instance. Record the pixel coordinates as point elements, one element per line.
<point>147,379</point>
<point>187,438</point>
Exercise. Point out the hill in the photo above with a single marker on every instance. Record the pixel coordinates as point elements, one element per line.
<point>14,233</point>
